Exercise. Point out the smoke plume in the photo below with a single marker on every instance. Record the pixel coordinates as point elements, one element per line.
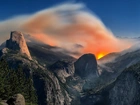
<point>70,26</point>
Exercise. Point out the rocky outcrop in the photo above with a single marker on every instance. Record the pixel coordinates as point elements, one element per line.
<point>86,66</point>
<point>3,102</point>
<point>18,43</point>
<point>17,99</point>
<point>63,69</point>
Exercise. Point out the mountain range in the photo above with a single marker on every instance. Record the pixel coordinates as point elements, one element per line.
<point>60,79</point>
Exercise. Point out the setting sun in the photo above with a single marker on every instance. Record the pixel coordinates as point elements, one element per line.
<point>100,55</point>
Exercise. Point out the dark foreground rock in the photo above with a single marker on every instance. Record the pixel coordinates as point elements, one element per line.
<point>17,99</point>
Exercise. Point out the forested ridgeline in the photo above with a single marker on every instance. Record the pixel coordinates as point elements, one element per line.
<point>14,81</point>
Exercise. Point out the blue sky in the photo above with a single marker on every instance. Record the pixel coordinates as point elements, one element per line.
<point>121,16</point>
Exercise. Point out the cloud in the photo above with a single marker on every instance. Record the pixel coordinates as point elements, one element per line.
<point>67,26</point>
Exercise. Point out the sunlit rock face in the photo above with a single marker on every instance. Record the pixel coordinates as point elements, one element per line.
<point>18,43</point>
<point>86,66</point>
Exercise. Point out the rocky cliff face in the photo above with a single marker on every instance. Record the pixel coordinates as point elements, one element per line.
<point>63,69</point>
<point>126,90</point>
<point>49,90</point>
<point>18,43</point>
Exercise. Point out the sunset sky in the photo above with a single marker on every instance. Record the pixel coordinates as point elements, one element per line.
<point>121,16</point>
<point>91,24</point>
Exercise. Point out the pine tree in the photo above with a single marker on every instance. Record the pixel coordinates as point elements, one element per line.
<point>4,84</point>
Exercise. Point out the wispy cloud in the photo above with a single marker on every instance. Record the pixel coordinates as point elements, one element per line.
<point>65,26</point>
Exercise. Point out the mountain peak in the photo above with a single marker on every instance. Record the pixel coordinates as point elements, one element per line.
<point>18,43</point>
<point>86,65</point>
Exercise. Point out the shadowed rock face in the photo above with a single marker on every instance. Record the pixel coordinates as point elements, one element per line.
<point>18,43</point>
<point>86,66</point>
<point>126,90</point>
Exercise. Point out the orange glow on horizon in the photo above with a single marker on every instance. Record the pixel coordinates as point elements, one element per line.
<point>100,55</point>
